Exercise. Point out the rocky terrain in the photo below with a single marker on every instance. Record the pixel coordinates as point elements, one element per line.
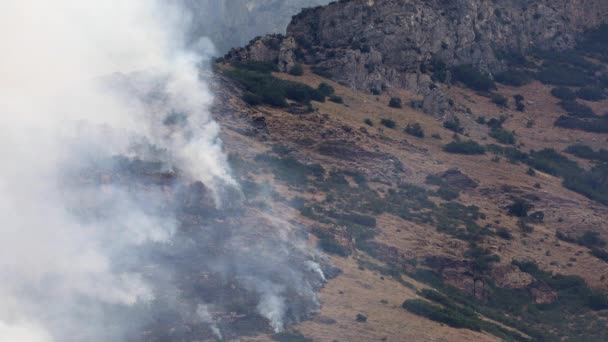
<point>461,200</point>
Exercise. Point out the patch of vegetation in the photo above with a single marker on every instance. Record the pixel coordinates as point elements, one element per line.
<point>336,99</point>
<point>263,88</point>
<point>504,233</point>
<point>591,93</point>
<point>515,78</point>
<point>563,93</point>
<point>414,129</point>
<point>440,314</point>
<point>325,89</point>
<point>519,102</point>
<point>499,100</point>
<point>577,110</point>
<point>290,170</point>
<point>563,75</point>
<point>388,123</point>
<point>291,336</point>
<point>297,70</point>
<point>586,152</point>
<point>395,102</point>
<point>321,71</point>
<point>593,125</point>
<point>472,78</point>
<point>368,122</point>
<point>454,125</point>
<point>468,147</point>
<point>330,245</point>
<point>503,136</point>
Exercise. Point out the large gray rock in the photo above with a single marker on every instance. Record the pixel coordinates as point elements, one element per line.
<point>372,44</point>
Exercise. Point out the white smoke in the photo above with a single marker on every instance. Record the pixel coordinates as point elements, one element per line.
<point>57,112</point>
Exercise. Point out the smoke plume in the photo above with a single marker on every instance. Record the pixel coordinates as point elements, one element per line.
<point>120,217</point>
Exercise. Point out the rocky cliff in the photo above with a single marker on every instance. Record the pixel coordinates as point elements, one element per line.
<point>372,44</point>
<point>232,23</point>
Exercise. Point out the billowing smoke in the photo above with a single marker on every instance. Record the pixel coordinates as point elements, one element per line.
<point>120,218</point>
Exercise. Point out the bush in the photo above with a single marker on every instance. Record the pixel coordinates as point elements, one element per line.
<point>504,234</point>
<point>336,99</point>
<point>503,136</point>
<point>395,102</point>
<point>325,89</point>
<point>443,315</point>
<point>252,99</point>
<point>591,94</point>
<point>453,125</point>
<point>297,70</point>
<point>591,239</point>
<point>514,78</point>
<point>468,147</point>
<point>560,74</point>
<point>499,100</point>
<point>520,208</point>
<point>388,123</point>
<point>368,122</point>
<point>415,129</point>
<point>262,87</point>
<point>586,152</point>
<point>331,246</point>
<point>563,93</point>
<point>595,125</point>
<point>472,78</point>
<point>578,110</point>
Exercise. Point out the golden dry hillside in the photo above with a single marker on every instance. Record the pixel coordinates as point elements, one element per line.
<point>485,245</point>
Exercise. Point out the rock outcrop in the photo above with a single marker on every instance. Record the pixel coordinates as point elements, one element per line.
<point>370,45</point>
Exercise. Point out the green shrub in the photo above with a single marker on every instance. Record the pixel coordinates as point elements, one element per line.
<point>388,123</point>
<point>443,315</point>
<point>503,136</point>
<point>594,125</point>
<point>297,70</point>
<point>563,93</point>
<point>395,102</point>
<point>520,208</point>
<point>453,125</point>
<point>265,88</point>
<point>586,152</point>
<point>368,122</point>
<point>499,100</point>
<point>563,75</point>
<point>414,129</point>
<point>293,336</point>
<point>472,78</point>
<point>262,67</point>
<point>252,99</point>
<point>577,110</point>
<point>325,89</point>
<point>468,147</point>
<point>591,94</point>
<point>321,71</point>
<point>336,99</point>
<point>504,234</point>
<point>331,246</point>
<point>515,78</point>
<point>591,239</point>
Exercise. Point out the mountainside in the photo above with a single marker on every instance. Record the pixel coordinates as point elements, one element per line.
<point>369,45</point>
<point>449,156</point>
<point>233,23</point>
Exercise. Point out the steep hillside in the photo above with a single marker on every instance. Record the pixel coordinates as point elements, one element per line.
<point>472,209</point>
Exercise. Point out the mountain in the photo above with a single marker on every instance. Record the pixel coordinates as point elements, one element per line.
<point>450,157</point>
<point>233,23</point>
